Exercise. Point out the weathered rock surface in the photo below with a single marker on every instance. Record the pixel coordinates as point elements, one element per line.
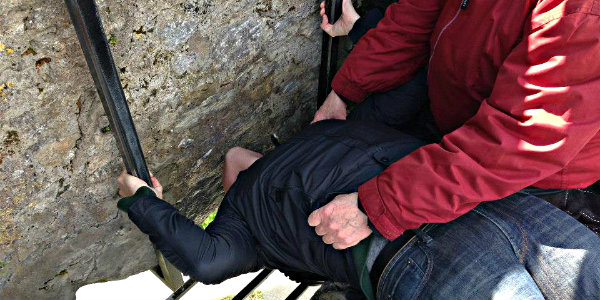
<point>200,76</point>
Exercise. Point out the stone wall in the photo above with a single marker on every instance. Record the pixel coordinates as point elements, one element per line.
<point>200,76</point>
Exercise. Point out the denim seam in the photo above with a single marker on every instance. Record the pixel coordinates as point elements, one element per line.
<point>386,271</point>
<point>426,274</point>
<point>516,250</point>
<point>524,249</point>
<point>410,260</point>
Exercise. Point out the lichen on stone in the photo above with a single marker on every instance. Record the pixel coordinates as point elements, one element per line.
<point>112,40</point>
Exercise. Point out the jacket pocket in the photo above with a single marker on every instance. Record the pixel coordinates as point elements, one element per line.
<point>293,205</point>
<point>388,153</point>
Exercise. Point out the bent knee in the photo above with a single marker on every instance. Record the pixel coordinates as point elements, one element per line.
<point>241,158</point>
<point>233,153</point>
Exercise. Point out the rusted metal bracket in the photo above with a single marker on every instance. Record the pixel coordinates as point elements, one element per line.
<point>167,273</point>
<point>87,23</point>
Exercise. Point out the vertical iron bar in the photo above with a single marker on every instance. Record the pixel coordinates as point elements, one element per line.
<point>329,52</point>
<point>88,26</point>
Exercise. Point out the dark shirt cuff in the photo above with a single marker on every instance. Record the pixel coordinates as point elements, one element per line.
<point>364,24</point>
<point>346,101</point>
<point>360,207</point>
<point>125,203</point>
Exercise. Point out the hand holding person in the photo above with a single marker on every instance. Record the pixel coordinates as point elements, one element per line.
<point>129,184</point>
<point>340,222</point>
<point>344,24</point>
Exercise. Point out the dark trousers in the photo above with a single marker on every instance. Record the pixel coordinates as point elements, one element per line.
<point>405,108</point>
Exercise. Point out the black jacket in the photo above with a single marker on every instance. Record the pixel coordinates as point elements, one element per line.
<point>262,222</point>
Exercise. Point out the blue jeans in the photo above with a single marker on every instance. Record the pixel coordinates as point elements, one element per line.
<point>520,247</point>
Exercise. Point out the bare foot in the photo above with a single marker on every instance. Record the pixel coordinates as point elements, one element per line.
<point>344,24</point>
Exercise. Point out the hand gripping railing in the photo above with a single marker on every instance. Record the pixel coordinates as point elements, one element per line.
<point>329,52</point>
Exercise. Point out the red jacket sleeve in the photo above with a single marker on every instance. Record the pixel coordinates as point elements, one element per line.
<point>391,53</point>
<point>542,111</point>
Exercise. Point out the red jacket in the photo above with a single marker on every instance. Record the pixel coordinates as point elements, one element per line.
<point>514,84</point>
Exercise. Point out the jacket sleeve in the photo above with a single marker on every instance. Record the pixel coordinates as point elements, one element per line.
<point>226,249</point>
<point>390,54</point>
<point>543,110</point>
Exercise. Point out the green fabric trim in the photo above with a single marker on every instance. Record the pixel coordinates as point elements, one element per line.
<point>126,202</point>
<point>359,253</point>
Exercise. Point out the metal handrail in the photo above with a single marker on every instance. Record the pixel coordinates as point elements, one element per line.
<point>88,26</point>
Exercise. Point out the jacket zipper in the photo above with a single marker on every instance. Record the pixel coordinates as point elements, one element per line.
<point>464,4</point>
